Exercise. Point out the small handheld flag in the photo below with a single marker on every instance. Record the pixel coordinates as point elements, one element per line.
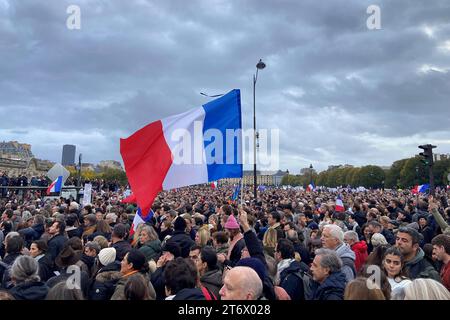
<point>236,192</point>
<point>55,186</point>
<point>140,218</point>
<point>420,188</point>
<point>339,205</point>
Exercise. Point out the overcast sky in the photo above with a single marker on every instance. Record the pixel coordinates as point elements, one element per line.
<point>337,91</point>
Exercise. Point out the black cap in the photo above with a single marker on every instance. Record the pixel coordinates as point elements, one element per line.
<point>173,248</point>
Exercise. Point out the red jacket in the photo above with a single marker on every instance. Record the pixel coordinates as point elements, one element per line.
<point>360,250</point>
<point>445,276</point>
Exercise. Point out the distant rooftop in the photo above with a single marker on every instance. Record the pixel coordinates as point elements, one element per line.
<point>15,150</point>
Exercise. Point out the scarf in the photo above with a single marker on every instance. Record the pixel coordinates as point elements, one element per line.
<point>238,237</point>
<point>282,265</point>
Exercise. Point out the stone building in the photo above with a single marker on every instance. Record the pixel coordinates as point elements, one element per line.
<point>267,178</point>
<point>30,167</point>
<point>15,150</point>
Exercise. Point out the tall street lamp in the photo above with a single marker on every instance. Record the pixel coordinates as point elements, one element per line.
<point>310,173</point>
<point>260,65</point>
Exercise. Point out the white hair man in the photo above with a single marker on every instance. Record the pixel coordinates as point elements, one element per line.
<point>241,283</point>
<point>333,239</point>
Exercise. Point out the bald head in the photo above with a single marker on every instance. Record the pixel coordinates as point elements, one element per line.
<point>241,283</point>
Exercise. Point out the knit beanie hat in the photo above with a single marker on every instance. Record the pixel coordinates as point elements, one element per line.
<point>107,256</point>
<point>231,223</point>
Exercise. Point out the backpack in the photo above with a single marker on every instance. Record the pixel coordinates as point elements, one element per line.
<point>306,279</point>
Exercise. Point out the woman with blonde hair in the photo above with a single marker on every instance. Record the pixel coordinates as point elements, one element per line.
<point>426,289</point>
<point>203,236</point>
<point>149,243</point>
<point>270,241</point>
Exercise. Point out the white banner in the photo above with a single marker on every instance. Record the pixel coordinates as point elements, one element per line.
<point>87,194</point>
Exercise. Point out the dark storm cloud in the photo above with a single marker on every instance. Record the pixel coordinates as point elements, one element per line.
<point>338,92</point>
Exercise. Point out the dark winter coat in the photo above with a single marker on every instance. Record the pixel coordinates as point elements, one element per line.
<point>255,249</point>
<point>84,279</point>
<point>291,282</point>
<point>212,280</point>
<point>55,245</point>
<point>189,294</point>
<point>151,250</point>
<point>184,241</point>
<point>5,276</point>
<point>159,283</point>
<point>122,248</point>
<point>46,267</point>
<point>104,282</point>
<point>419,267</point>
<point>331,289</point>
<point>30,291</point>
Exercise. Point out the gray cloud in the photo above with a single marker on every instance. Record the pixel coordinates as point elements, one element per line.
<point>338,92</point>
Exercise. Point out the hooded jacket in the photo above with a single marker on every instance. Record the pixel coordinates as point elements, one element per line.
<point>30,291</point>
<point>348,261</point>
<point>331,289</point>
<point>419,267</point>
<point>360,250</point>
<point>212,280</point>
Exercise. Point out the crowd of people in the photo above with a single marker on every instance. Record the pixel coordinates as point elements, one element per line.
<point>199,244</point>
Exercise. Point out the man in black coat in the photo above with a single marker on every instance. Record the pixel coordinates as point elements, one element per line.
<point>117,238</point>
<point>181,238</point>
<point>290,272</point>
<point>329,281</point>
<point>255,250</point>
<point>58,239</point>
<point>170,251</point>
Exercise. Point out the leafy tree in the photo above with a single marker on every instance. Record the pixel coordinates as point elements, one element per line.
<point>413,173</point>
<point>371,176</point>
<point>115,174</point>
<point>393,174</point>
<point>439,169</point>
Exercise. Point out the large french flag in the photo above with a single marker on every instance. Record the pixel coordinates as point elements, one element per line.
<point>55,186</point>
<point>339,205</point>
<point>151,155</point>
<point>310,187</point>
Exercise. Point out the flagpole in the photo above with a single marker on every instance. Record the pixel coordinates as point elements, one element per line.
<point>242,191</point>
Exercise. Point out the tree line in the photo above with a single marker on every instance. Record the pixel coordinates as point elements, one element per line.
<point>402,174</point>
<point>107,174</point>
